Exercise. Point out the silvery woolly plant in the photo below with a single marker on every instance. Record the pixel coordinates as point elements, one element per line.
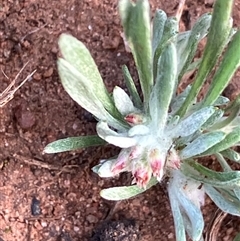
<point>163,133</point>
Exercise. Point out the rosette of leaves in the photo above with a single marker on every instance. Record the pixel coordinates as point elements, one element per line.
<point>164,133</point>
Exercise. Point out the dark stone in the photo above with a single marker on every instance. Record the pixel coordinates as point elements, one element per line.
<point>35,207</point>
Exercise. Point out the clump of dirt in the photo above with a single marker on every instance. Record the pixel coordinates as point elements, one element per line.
<point>125,230</point>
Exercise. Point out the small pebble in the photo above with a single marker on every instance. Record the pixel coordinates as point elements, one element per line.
<point>25,118</point>
<point>37,225</point>
<point>44,224</point>
<point>37,76</point>
<point>91,218</point>
<point>48,73</point>
<point>76,229</point>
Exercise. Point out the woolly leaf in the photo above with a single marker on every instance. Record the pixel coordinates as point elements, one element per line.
<point>224,202</point>
<point>193,122</point>
<point>73,143</point>
<point>78,56</point>
<point>201,144</point>
<point>125,192</point>
<point>139,39</point>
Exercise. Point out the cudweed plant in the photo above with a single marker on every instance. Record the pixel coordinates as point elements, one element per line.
<point>163,134</point>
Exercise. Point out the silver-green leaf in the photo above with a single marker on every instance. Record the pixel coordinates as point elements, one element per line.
<point>73,143</point>
<point>125,192</point>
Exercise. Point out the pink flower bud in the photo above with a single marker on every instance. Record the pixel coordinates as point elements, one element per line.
<point>156,163</point>
<point>134,119</point>
<point>173,160</point>
<point>121,162</point>
<point>136,151</point>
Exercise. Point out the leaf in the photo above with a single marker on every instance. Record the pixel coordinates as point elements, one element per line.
<point>103,130</point>
<point>78,56</point>
<point>114,138</point>
<point>76,53</point>
<point>201,144</point>
<point>75,85</point>
<point>136,24</point>
<point>181,46</point>
<point>178,100</point>
<point>217,38</point>
<point>234,114</point>
<point>104,169</point>
<point>222,202</point>
<point>231,155</point>
<point>226,167</point>
<point>229,64</point>
<point>131,88</point>
<point>122,101</point>
<point>219,176</point>
<point>125,192</point>
<point>177,217</point>
<point>73,143</point>
<point>191,213</point>
<point>233,104</point>
<point>230,140</point>
<point>221,100</point>
<point>181,142</point>
<point>214,118</point>
<point>237,193</point>
<point>159,20</point>
<point>198,32</point>
<point>193,66</point>
<point>193,122</point>
<point>164,88</point>
<point>227,179</point>
<point>122,142</point>
<point>169,35</point>
<point>223,162</point>
<point>139,130</point>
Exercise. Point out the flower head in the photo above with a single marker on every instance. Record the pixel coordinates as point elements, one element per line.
<point>157,163</point>
<point>121,162</point>
<point>173,160</point>
<point>141,173</point>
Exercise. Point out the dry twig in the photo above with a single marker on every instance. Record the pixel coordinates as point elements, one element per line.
<point>214,225</point>
<point>35,162</point>
<point>31,161</point>
<point>31,32</point>
<point>180,9</point>
<point>9,92</point>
